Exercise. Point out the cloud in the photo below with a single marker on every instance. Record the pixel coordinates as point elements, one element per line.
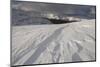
<point>51,8</point>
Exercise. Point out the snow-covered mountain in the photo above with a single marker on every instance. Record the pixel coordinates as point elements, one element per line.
<point>41,44</point>
<point>37,40</point>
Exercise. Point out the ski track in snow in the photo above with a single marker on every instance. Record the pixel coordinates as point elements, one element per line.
<point>40,44</point>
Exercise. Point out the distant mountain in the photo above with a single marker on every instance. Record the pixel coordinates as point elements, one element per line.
<point>24,13</point>
<point>20,17</point>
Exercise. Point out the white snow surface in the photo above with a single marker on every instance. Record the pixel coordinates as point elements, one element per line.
<point>41,44</point>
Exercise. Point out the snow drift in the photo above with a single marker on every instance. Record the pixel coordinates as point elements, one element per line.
<point>41,44</point>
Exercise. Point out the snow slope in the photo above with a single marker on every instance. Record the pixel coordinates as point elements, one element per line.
<point>40,44</point>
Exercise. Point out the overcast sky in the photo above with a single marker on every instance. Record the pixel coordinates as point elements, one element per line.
<point>52,8</point>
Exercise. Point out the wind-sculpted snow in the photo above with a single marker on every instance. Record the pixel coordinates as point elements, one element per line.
<point>41,44</point>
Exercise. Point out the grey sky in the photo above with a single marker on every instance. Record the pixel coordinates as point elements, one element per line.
<point>52,8</point>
